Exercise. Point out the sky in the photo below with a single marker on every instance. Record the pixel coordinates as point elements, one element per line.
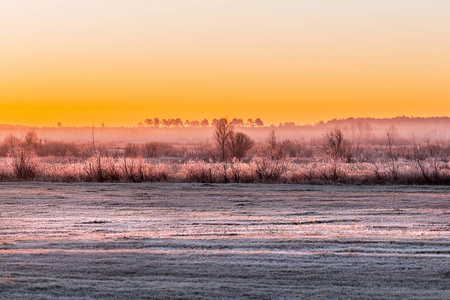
<point>119,62</point>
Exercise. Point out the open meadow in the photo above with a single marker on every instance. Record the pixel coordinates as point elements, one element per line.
<point>215,241</point>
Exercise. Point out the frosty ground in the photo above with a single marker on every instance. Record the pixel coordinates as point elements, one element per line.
<point>204,241</point>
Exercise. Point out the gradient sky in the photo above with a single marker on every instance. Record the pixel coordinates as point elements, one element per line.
<point>119,62</point>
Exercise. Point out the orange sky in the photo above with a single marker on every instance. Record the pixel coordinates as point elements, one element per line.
<point>119,62</point>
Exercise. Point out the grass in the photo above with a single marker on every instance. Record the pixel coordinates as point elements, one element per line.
<point>257,170</point>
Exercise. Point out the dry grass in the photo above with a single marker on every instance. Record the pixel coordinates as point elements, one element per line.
<point>110,169</point>
<point>334,159</point>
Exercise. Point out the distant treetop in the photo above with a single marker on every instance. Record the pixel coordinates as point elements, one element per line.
<point>178,123</point>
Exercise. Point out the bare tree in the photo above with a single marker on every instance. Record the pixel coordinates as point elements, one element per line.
<point>391,135</point>
<point>360,130</point>
<point>222,135</point>
<point>30,141</point>
<point>239,144</point>
<point>272,163</point>
<point>95,169</point>
<point>275,148</point>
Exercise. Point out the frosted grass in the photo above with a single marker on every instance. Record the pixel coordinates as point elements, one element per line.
<point>208,241</point>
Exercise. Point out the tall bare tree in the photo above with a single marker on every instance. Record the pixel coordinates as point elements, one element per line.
<point>222,135</point>
<point>274,147</point>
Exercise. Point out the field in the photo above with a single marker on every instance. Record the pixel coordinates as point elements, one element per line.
<point>213,241</point>
<point>348,151</point>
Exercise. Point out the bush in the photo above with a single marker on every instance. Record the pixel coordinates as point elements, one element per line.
<point>269,170</point>
<point>337,147</point>
<point>133,169</point>
<point>159,149</point>
<point>23,155</point>
<point>50,148</point>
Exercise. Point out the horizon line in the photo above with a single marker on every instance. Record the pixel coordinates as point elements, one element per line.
<point>281,124</point>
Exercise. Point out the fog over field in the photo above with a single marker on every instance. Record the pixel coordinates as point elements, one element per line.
<point>209,241</point>
<point>402,150</point>
<point>372,130</point>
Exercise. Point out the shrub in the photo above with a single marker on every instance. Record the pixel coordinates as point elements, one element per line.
<point>132,150</point>
<point>269,170</point>
<point>133,169</point>
<point>158,149</point>
<point>238,144</point>
<point>337,147</point>
<point>50,148</point>
<point>199,172</point>
<point>23,155</point>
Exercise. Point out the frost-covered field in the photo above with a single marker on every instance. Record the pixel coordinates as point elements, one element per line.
<point>202,241</point>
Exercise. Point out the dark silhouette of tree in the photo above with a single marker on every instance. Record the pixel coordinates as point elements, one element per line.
<point>239,144</point>
<point>259,123</point>
<point>195,124</point>
<point>165,122</point>
<point>204,123</point>
<point>214,122</point>
<point>148,122</point>
<point>177,122</point>
<point>59,125</point>
<point>237,122</point>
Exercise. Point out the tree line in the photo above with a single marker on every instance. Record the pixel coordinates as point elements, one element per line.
<point>178,123</point>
